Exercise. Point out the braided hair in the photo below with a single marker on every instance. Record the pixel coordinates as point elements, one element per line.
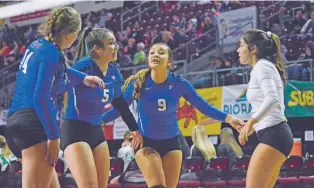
<point>61,21</point>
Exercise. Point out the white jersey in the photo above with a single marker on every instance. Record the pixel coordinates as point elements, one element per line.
<point>265,93</point>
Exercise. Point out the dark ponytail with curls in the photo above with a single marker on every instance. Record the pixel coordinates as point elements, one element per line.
<point>268,47</point>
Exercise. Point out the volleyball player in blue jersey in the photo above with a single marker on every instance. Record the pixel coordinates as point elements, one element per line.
<point>32,132</point>
<point>157,92</point>
<point>82,138</point>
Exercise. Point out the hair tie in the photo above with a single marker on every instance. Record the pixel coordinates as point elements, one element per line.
<point>268,36</point>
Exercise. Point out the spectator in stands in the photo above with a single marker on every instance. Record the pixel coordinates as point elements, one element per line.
<point>202,146</point>
<point>103,19</point>
<point>309,51</point>
<point>122,39</point>
<point>298,22</point>
<point>5,49</point>
<point>228,146</point>
<point>137,33</point>
<point>126,153</point>
<point>233,5</point>
<point>6,156</point>
<point>139,57</point>
<point>109,22</point>
<point>124,60</point>
<point>166,38</point>
<point>309,54</point>
<point>130,49</point>
<point>309,25</point>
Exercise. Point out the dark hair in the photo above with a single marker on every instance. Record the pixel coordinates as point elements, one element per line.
<point>140,76</point>
<point>88,40</point>
<point>268,47</point>
<point>63,20</point>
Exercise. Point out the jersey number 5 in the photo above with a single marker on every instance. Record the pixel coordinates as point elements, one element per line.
<point>106,95</point>
<point>25,60</point>
<point>162,105</point>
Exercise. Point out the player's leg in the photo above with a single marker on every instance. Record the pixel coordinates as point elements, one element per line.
<point>172,162</point>
<point>76,137</point>
<point>102,162</point>
<point>28,141</point>
<point>261,167</point>
<point>54,181</point>
<point>150,163</point>
<point>275,145</point>
<point>36,173</point>
<point>80,160</point>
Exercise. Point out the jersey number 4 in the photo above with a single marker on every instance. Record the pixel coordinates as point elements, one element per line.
<point>162,105</point>
<point>25,60</point>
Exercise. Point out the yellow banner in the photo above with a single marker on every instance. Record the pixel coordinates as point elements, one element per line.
<point>189,116</point>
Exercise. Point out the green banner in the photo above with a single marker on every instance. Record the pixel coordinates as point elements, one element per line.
<point>299,99</point>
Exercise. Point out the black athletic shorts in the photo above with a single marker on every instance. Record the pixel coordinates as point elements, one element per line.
<point>24,130</point>
<point>278,136</point>
<point>163,146</point>
<point>73,131</point>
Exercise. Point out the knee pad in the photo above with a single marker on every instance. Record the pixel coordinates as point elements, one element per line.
<point>158,186</point>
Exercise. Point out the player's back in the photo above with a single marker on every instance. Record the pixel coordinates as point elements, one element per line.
<point>37,52</point>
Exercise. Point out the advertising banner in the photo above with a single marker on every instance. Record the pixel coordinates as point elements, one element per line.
<point>299,99</point>
<point>234,101</point>
<point>188,116</point>
<point>232,24</point>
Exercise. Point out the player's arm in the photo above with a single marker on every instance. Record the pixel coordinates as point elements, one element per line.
<point>43,103</point>
<point>122,106</point>
<point>75,75</point>
<point>190,94</point>
<point>114,113</point>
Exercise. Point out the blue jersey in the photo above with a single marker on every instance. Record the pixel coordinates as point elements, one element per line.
<point>41,78</point>
<point>86,103</point>
<point>157,107</point>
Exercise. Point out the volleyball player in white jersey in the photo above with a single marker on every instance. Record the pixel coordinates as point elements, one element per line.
<point>261,50</point>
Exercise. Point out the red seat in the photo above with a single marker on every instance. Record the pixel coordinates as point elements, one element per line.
<point>236,182</point>
<point>114,185</point>
<point>135,185</point>
<point>214,184</point>
<point>288,181</point>
<point>306,180</point>
<point>187,183</point>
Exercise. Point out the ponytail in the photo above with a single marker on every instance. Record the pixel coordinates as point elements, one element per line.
<point>82,48</point>
<point>81,51</point>
<point>138,84</point>
<point>279,62</point>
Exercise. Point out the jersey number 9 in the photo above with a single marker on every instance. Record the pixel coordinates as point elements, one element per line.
<point>162,105</point>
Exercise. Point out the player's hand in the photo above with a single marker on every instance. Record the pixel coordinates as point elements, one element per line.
<point>246,131</point>
<point>52,152</point>
<point>93,81</point>
<point>137,141</point>
<point>235,122</point>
